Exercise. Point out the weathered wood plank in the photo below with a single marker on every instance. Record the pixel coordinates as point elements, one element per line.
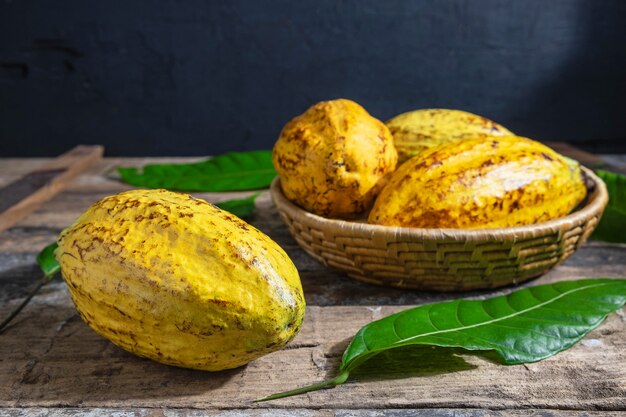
<point>50,358</point>
<point>21,197</point>
<point>295,412</point>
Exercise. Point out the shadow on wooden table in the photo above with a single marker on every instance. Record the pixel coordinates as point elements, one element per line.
<point>412,361</point>
<point>57,360</point>
<point>405,362</point>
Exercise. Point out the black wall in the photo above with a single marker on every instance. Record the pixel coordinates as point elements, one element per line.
<point>204,77</point>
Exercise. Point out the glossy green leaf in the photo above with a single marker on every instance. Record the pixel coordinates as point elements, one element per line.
<point>241,207</point>
<point>527,325</point>
<point>47,262</point>
<point>235,171</point>
<point>612,226</point>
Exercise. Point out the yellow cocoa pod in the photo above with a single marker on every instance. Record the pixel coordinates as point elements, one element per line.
<point>333,158</point>
<point>175,279</point>
<point>418,130</point>
<point>481,183</point>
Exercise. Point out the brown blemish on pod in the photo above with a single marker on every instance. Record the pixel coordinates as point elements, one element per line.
<point>464,176</point>
<point>159,276</point>
<point>345,154</point>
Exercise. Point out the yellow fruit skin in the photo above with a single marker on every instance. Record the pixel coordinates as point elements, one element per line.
<point>418,130</point>
<point>333,158</point>
<point>175,279</point>
<point>481,183</point>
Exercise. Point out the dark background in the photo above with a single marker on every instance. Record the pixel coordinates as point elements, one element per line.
<point>204,77</point>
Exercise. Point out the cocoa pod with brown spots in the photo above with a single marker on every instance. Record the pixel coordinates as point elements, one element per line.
<point>481,183</point>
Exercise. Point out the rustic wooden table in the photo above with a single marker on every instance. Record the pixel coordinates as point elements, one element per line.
<point>51,363</point>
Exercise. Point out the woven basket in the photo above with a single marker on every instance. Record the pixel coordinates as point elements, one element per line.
<point>442,259</point>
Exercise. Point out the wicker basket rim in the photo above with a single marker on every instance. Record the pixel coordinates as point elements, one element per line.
<point>594,207</point>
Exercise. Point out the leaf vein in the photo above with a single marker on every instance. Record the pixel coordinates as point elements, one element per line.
<point>517,313</point>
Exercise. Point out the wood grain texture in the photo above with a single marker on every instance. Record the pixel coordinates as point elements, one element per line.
<point>21,197</point>
<point>295,412</point>
<point>50,360</point>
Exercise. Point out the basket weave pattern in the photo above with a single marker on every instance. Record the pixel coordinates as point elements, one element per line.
<point>442,259</point>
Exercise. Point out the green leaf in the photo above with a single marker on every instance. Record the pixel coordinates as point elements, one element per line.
<point>234,171</point>
<point>242,207</point>
<point>527,325</point>
<point>612,226</point>
<point>47,262</point>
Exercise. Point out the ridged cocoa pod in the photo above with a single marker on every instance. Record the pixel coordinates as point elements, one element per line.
<point>481,183</point>
<point>416,131</point>
<point>333,158</point>
<point>175,279</point>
